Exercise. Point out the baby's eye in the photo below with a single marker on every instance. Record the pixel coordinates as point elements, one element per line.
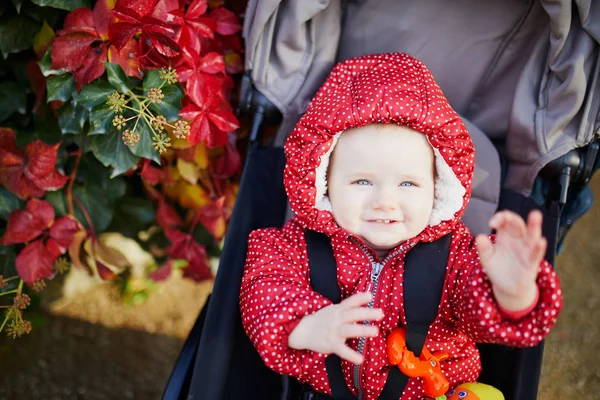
<point>407,184</point>
<point>362,182</point>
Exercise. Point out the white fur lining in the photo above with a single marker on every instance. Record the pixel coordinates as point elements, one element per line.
<point>449,192</point>
<point>322,201</point>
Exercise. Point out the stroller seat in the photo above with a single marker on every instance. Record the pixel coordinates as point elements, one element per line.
<point>523,74</point>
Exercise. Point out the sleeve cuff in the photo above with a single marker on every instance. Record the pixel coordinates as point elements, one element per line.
<point>521,313</point>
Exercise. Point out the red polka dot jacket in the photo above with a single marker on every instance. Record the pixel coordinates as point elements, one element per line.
<point>276,291</point>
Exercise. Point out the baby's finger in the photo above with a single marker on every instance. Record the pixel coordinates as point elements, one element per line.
<point>485,248</point>
<point>534,224</point>
<point>348,354</point>
<point>360,314</point>
<point>356,300</point>
<point>538,252</point>
<point>509,222</point>
<point>358,330</point>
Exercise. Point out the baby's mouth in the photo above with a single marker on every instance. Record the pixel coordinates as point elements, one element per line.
<point>383,221</point>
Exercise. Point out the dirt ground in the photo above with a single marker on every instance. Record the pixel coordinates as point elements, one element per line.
<point>92,347</point>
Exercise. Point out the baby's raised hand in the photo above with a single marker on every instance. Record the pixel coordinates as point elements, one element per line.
<point>512,262</point>
<point>326,330</point>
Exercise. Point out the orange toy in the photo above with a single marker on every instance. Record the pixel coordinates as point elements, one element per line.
<point>427,366</point>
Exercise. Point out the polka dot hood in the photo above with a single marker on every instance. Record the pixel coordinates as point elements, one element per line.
<point>276,291</point>
<point>388,89</point>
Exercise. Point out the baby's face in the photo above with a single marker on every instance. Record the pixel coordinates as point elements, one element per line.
<point>381,184</point>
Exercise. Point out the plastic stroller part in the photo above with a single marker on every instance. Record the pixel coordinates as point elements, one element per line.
<point>181,375</point>
<point>573,168</point>
<point>253,102</point>
<point>427,366</point>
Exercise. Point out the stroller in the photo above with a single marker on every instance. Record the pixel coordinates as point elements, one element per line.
<point>525,77</point>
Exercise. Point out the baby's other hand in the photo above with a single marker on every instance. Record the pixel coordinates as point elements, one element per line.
<point>327,330</point>
<point>512,262</point>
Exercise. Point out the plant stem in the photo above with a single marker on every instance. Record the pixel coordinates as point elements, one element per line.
<point>6,318</point>
<point>12,278</point>
<point>79,152</point>
<point>9,292</point>
<point>86,216</point>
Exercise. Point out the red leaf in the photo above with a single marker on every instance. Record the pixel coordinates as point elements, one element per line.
<point>227,22</point>
<point>33,179</point>
<point>26,225</point>
<point>166,216</point>
<point>163,9</point>
<point>148,56</point>
<point>164,44</point>
<point>127,14</point>
<point>40,167</point>
<point>103,17</point>
<point>42,210</point>
<point>184,246</point>
<point>224,120</point>
<point>120,32</point>
<point>154,25</point>
<point>229,164</point>
<point>151,174</point>
<point>196,9</point>
<point>78,20</point>
<point>70,51</point>
<point>126,57</point>
<point>162,273</point>
<point>93,67</point>
<point>62,232</point>
<point>106,274</point>
<point>35,262</point>
<point>213,219</point>
<point>204,90</point>
<point>212,63</point>
<point>10,154</point>
<point>141,7</point>
<point>199,130</point>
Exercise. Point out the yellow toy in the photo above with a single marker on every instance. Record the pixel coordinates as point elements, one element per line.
<point>475,391</point>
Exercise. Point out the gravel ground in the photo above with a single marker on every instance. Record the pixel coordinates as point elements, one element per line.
<point>93,347</point>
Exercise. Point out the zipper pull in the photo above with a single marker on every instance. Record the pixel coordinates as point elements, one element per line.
<point>375,271</point>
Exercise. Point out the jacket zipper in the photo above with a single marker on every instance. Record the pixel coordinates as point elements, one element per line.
<point>376,269</point>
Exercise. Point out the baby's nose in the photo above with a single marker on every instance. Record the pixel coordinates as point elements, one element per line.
<point>385,201</point>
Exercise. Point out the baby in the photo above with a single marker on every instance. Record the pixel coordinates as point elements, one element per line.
<point>379,163</point>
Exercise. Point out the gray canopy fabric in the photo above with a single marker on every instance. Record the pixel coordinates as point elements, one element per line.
<point>521,71</point>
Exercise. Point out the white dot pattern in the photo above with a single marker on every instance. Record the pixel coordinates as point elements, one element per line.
<point>276,291</point>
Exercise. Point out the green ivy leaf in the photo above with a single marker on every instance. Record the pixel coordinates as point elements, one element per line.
<point>96,204</point>
<point>95,93</point>
<point>60,87</point>
<point>46,65</point>
<point>143,148</point>
<point>152,79</point>
<point>117,78</point>
<point>71,118</point>
<point>170,105</point>
<point>8,203</point>
<point>114,188</point>
<point>67,5</point>
<point>16,34</point>
<point>7,265</point>
<point>101,118</point>
<point>18,4</point>
<point>132,215</point>
<point>111,151</point>
<point>12,99</point>
<point>57,199</point>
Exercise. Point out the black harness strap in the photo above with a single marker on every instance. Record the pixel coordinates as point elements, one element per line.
<point>324,281</point>
<point>424,274</point>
